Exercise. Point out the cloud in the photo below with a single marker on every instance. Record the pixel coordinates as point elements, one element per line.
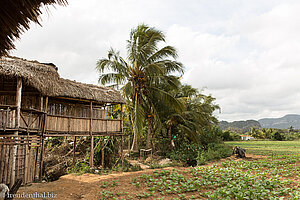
<point>251,68</point>
<point>245,53</point>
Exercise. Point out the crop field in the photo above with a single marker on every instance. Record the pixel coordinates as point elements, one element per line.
<point>269,147</point>
<point>271,177</point>
<point>276,177</point>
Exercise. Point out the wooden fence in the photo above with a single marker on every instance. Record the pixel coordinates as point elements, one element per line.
<point>30,119</point>
<point>7,117</point>
<point>19,154</point>
<point>70,124</point>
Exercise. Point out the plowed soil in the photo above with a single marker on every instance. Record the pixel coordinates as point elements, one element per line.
<point>88,186</point>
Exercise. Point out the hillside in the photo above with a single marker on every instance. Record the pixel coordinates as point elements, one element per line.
<point>282,123</point>
<point>240,126</point>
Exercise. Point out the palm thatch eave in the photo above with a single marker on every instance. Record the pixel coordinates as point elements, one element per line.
<point>46,80</point>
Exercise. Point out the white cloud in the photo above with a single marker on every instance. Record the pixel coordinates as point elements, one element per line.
<point>244,52</point>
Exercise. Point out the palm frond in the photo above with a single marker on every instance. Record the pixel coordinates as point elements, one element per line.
<point>128,90</point>
<point>111,78</point>
<point>16,17</point>
<point>165,52</point>
<point>166,97</point>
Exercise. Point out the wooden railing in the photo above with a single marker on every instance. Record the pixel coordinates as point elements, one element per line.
<point>7,117</point>
<point>30,119</point>
<point>77,125</point>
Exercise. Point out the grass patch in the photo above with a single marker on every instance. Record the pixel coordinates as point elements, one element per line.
<point>268,147</point>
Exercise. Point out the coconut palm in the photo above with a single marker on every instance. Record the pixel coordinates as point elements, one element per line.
<point>146,66</point>
<point>196,118</point>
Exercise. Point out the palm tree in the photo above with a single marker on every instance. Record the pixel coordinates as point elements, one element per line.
<point>146,65</point>
<point>196,120</point>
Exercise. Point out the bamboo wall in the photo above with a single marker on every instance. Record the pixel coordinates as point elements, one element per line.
<point>7,118</point>
<point>74,118</point>
<point>28,121</point>
<point>30,96</point>
<point>27,151</point>
<point>31,121</point>
<point>65,124</point>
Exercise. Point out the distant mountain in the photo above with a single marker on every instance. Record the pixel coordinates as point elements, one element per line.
<point>281,123</point>
<point>239,126</point>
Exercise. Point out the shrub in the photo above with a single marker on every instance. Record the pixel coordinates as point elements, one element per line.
<point>278,136</point>
<point>127,167</point>
<point>186,152</point>
<point>214,152</point>
<point>81,168</point>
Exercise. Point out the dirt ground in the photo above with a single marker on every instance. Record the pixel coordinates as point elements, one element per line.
<point>87,186</point>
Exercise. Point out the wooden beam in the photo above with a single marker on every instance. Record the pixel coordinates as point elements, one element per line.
<point>17,124</point>
<point>18,101</point>
<point>102,153</point>
<point>74,148</point>
<point>92,137</point>
<point>121,126</point>
<point>38,157</point>
<point>42,138</point>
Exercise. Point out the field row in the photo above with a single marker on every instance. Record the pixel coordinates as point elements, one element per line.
<point>274,178</point>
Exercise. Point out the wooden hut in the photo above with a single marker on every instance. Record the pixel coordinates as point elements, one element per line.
<point>35,102</point>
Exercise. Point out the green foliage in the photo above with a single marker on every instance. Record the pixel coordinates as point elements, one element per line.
<point>54,141</point>
<point>110,151</point>
<point>81,168</point>
<point>186,152</point>
<point>155,97</point>
<point>147,65</point>
<point>277,136</point>
<point>270,178</point>
<point>127,167</point>
<point>214,152</point>
<point>228,135</point>
<point>268,147</point>
<point>193,154</point>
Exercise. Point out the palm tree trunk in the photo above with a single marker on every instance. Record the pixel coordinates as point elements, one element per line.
<point>149,134</point>
<point>134,146</point>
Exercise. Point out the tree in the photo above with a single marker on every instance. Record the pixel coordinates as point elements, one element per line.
<point>146,66</point>
<point>195,122</point>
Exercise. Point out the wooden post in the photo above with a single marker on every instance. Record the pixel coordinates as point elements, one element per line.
<point>121,127</point>
<point>102,153</point>
<point>92,137</point>
<point>18,102</point>
<point>74,148</point>
<point>17,125</point>
<point>38,151</point>
<point>42,138</point>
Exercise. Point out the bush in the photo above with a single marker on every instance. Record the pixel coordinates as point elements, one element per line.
<point>127,167</point>
<point>228,135</point>
<point>81,168</point>
<point>235,136</point>
<point>278,136</point>
<point>186,152</point>
<point>54,141</point>
<point>193,154</point>
<point>214,152</point>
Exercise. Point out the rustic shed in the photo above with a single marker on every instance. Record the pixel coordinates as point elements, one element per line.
<point>35,102</point>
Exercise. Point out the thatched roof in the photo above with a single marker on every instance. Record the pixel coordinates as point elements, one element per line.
<point>45,78</point>
<point>15,18</point>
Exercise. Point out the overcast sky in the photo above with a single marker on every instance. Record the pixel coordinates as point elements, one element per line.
<point>246,53</point>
